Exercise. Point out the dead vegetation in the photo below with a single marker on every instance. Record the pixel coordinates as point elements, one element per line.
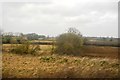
<point>96,62</point>
<point>25,48</point>
<point>21,66</point>
<point>91,51</point>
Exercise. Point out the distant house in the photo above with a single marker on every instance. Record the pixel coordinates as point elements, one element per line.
<point>41,38</point>
<point>92,40</point>
<point>25,38</point>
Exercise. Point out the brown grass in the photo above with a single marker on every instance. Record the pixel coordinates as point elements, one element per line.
<point>95,62</point>
<point>91,51</point>
<point>26,66</point>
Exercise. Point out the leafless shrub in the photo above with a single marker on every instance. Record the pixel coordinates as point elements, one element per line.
<point>69,43</point>
<point>25,48</point>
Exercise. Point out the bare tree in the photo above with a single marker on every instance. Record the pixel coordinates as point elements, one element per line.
<point>74,30</point>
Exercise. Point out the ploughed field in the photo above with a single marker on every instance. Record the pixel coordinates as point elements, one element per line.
<point>91,63</point>
<point>100,51</point>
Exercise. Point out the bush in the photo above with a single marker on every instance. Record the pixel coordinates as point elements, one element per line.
<point>6,39</point>
<point>69,43</point>
<point>25,48</point>
<point>47,59</point>
<point>13,41</point>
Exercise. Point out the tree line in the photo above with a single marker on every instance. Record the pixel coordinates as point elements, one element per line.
<point>12,38</point>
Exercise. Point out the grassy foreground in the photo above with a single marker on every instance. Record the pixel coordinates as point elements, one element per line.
<point>56,66</point>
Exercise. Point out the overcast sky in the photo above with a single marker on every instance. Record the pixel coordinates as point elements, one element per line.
<point>53,17</point>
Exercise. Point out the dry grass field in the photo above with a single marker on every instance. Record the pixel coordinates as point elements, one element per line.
<point>26,66</point>
<point>91,51</point>
<point>96,62</point>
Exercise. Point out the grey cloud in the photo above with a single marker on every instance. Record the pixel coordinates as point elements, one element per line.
<point>55,17</point>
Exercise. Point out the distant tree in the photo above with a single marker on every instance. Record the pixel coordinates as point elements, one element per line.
<point>21,34</point>
<point>104,38</point>
<point>42,36</point>
<point>32,36</point>
<point>10,34</point>
<point>111,39</point>
<point>6,39</point>
<point>75,31</point>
